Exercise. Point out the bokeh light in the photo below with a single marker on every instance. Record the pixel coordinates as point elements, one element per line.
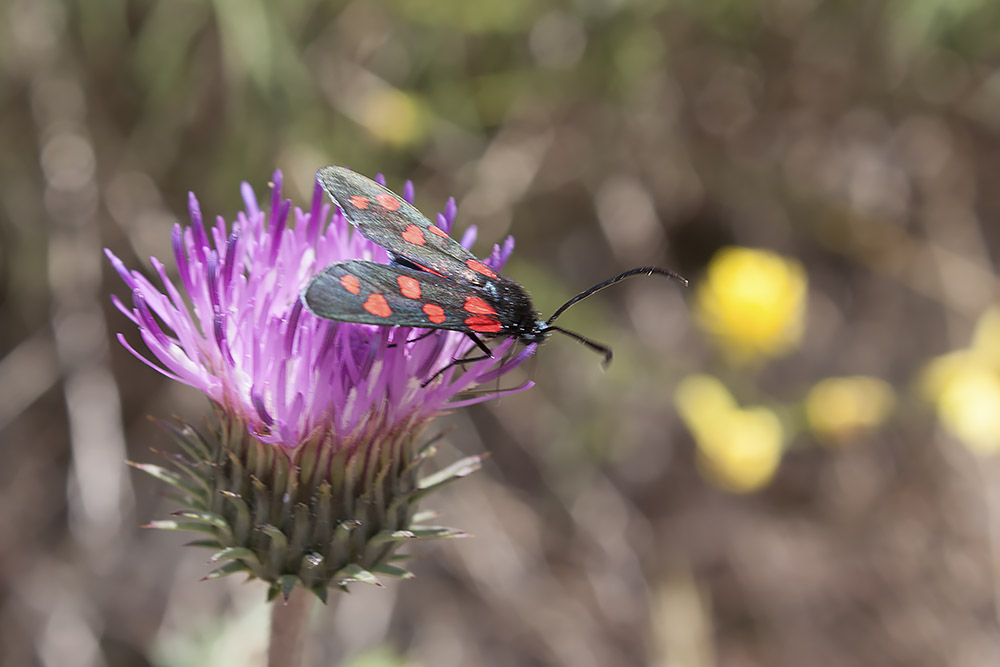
<point>965,387</point>
<point>740,448</point>
<point>841,409</point>
<point>752,303</point>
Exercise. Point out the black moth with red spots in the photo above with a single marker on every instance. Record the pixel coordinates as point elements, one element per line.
<point>433,282</point>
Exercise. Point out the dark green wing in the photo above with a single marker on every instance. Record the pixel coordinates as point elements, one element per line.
<point>390,221</point>
<point>389,295</point>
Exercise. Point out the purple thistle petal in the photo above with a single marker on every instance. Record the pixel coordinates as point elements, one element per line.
<point>450,212</point>
<point>494,259</point>
<point>249,200</point>
<point>120,269</point>
<point>197,227</point>
<point>135,353</point>
<point>316,214</point>
<point>219,239</point>
<point>443,223</point>
<point>173,311</point>
<point>507,250</point>
<point>123,309</point>
<point>258,402</point>
<point>408,191</point>
<point>177,243</point>
<point>279,227</point>
<point>293,322</point>
<point>148,323</point>
<point>469,237</point>
<point>219,330</point>
<point>212,274</point>
<point>281,394</point>
<point>219,233</point>
<point>500,254</point>
<point>230,259</point>
<point>277,180</point>
<point>294,415</point>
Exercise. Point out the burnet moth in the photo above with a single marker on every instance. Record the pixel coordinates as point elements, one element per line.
<point>433,282</point>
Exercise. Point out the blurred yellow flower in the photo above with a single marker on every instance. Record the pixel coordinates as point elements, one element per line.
<point>986,337</point>
<point>739,448</point>
<point>965,387</point>
<point>394,116</point>
<point>839,408</point>
<point>969,407</point>
<point>753,303</point>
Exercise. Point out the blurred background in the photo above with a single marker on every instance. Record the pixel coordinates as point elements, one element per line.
<point>789,463</point>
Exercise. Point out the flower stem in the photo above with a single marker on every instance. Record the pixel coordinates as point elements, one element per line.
<point>289,625</point>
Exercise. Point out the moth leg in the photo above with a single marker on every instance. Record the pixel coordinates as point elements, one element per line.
<point>414,340</point>
<point>466,360</point>
<point>455,362</point>
<point>480,344</point>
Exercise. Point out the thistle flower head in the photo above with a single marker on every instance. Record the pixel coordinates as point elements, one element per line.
<point>235,328</point>
<point>309,475</point>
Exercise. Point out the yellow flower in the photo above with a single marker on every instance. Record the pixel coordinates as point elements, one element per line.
<point>753,303</point>
<point>965,387</point>
<point>986,337</point>
<point>839,408</point>
<point>739,448</point>
<point>969,407</point>
<point>393,116</point>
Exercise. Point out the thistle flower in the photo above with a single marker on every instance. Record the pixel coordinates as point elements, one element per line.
<point>309,473</point>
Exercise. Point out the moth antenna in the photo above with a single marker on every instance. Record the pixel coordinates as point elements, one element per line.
<point>640,271</point>
<point>593,345</point>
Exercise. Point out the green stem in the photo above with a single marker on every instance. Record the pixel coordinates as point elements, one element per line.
<point>289,626</point>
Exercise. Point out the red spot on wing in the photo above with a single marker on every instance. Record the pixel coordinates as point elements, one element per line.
<point>387,201</point>
<point>476,306</point>
<point>377,305</point>
<point>479,267</point>
<point>409,287</point>
<point>357,201</point>
<point>483,324</point>
<point>429,270</point>
<point>434,229</point>
<point>414,235</point>
<point>434,312</point>
<point>351,283</point>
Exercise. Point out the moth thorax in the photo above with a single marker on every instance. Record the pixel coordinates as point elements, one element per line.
<point>517,313</point>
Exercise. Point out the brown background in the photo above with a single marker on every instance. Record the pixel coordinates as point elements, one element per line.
<point>858,137</point>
